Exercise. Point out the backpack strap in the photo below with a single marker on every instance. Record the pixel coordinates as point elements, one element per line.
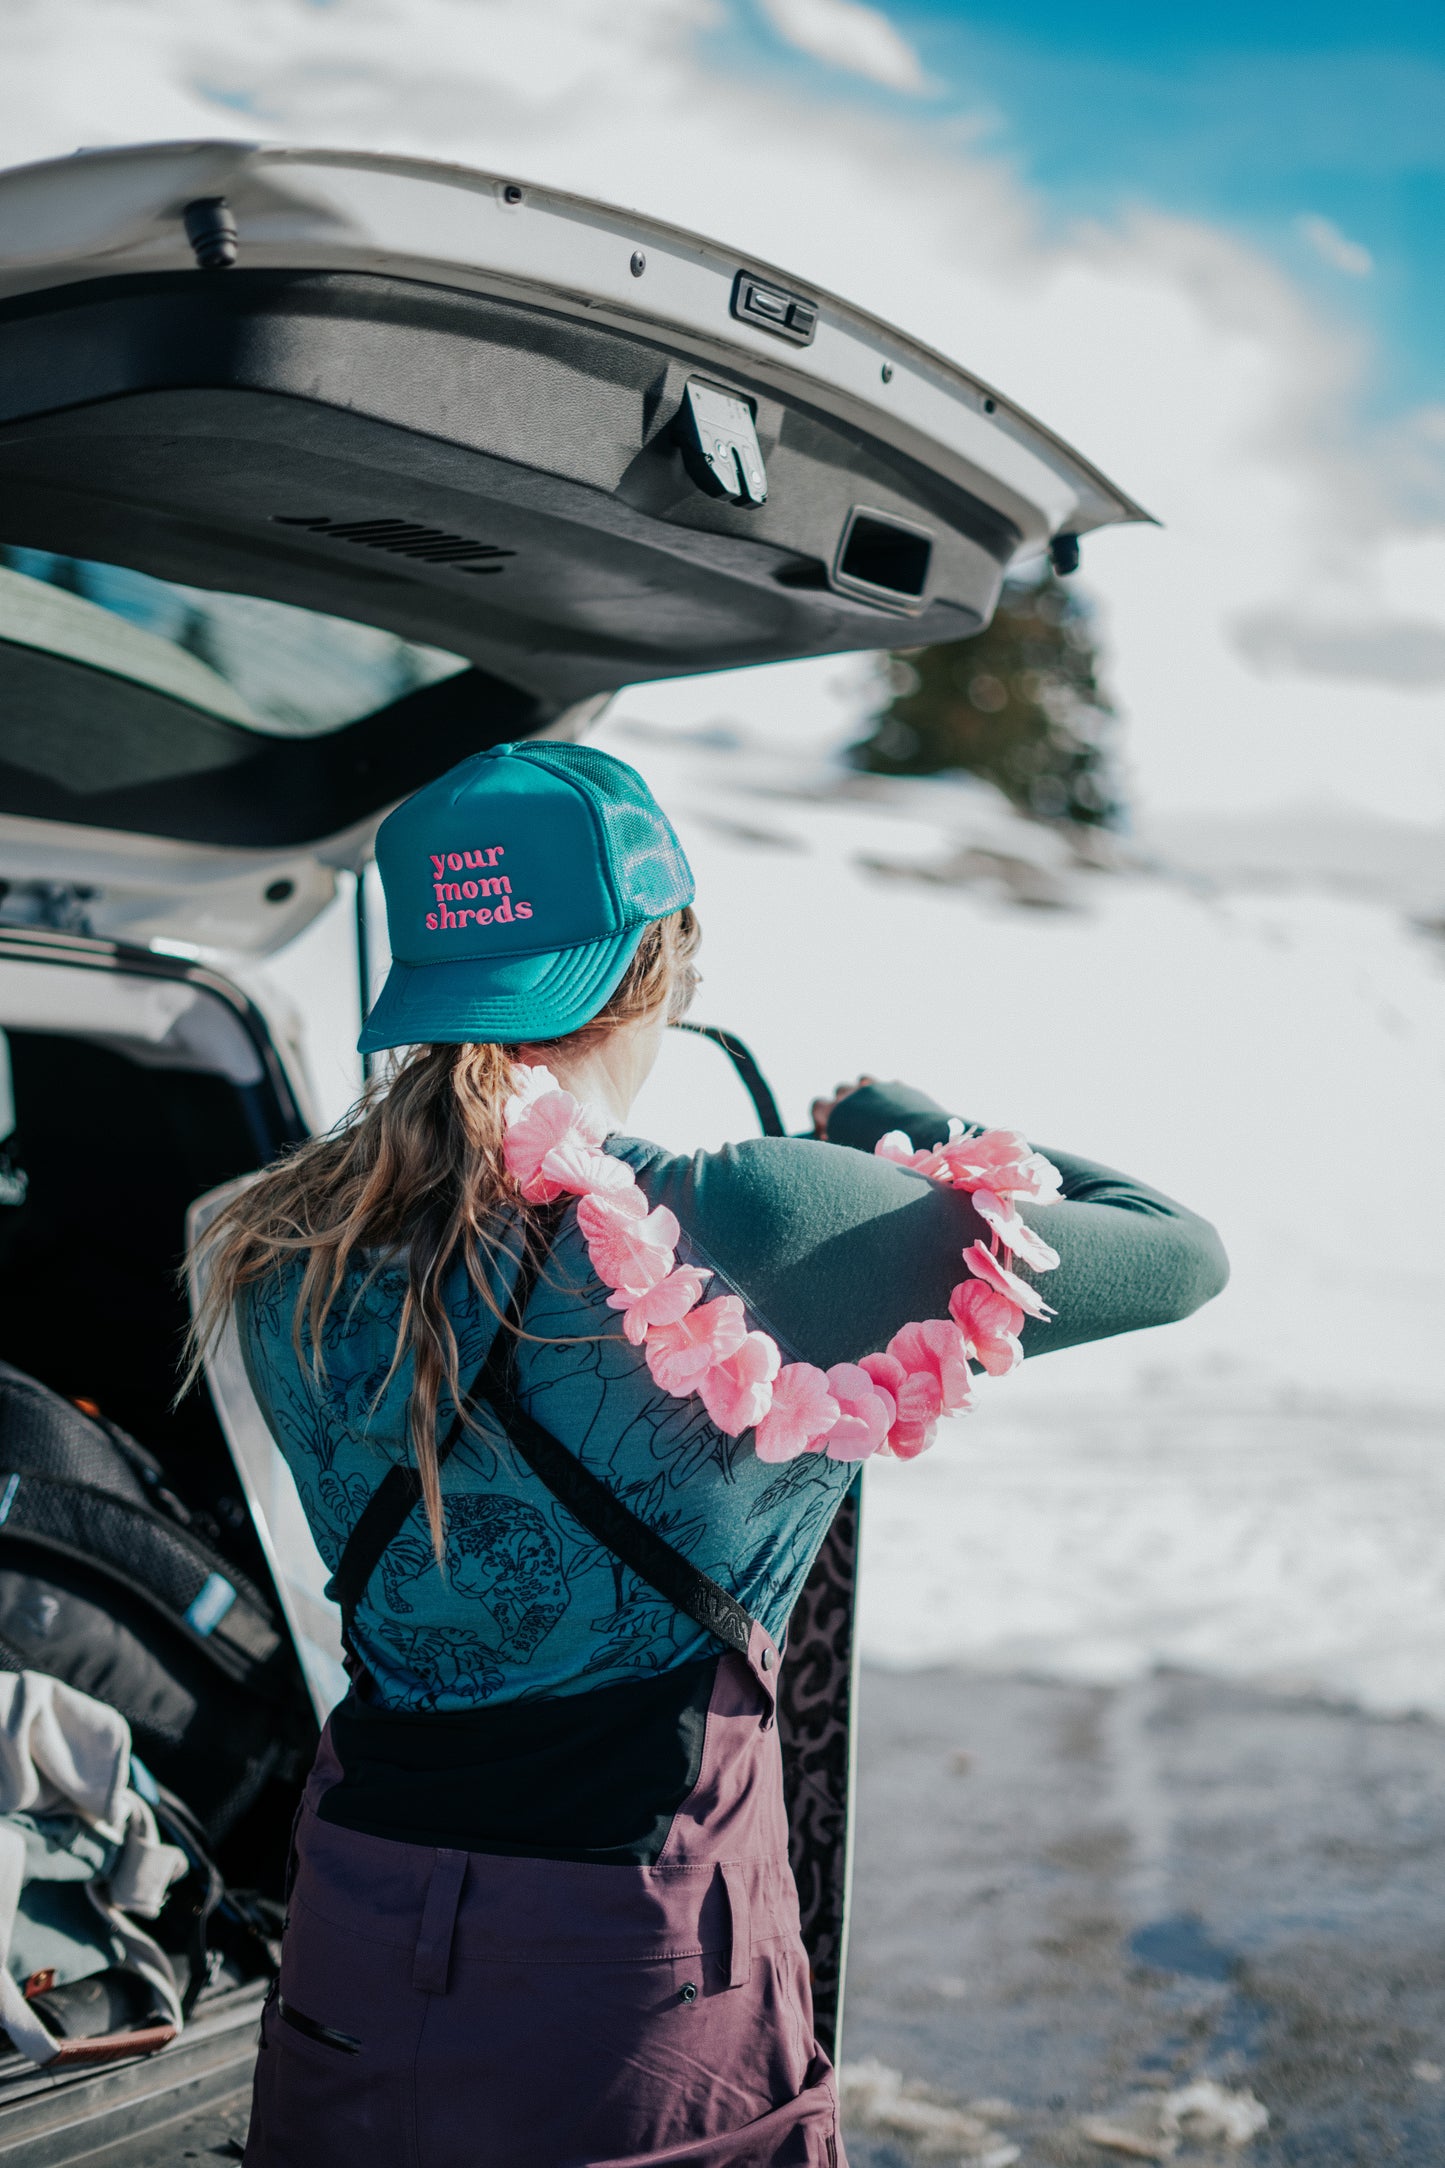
<point>589,1500</point>
<point>155,1560</point>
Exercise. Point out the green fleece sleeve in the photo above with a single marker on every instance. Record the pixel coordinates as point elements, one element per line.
<point>833,1249</point>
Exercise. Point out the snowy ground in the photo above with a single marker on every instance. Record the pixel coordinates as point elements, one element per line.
<point>1082,1910</point>
<point>1256,1025</point>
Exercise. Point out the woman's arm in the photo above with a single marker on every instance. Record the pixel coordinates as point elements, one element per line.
<point>833,1249</point>
<point>1127,1276</point>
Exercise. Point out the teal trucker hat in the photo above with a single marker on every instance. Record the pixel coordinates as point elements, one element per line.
<point>517,888</point>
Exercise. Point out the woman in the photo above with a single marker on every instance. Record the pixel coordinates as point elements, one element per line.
<point>569,1417</point>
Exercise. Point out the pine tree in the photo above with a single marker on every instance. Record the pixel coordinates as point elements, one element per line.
<point>1019,704</point>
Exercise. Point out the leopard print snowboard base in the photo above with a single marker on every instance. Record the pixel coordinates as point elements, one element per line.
<point>818,1691</point>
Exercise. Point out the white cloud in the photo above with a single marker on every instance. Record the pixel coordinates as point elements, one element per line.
<point>1336,248</point>
<point>1179,359</point>
<point>848,35</point>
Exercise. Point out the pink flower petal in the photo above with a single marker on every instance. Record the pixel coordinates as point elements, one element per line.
<point>999,1160</point>
<point>579,1169</point>
<point>1000,1214</point>
<point>803,1410</point>
<point>738,1391</point>
<point>867,1413</point>
<point>680,1355</point>
<point>913,1431</point>
<point>530,1081</point>
<point>935,1355</point>
<point>998,1357</point>
<point>987,1268</point>
<point>979,1309</point>
<point>920,1399</point>
<point>1002,1161</point>
<point>990,1323</point>
<point>628,1252</point>
<point>907,1440</point>
<point>884,1370</point>
<point>1038,1179</point>
<point>629,1202</point>
<point>898,1146</point>
<point>542,1125</point>
<point>664,1304</point>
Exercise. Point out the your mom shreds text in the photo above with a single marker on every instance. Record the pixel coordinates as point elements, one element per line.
<point>458,901</point>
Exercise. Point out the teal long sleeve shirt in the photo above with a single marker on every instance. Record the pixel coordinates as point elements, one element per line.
<point>831,1250</point>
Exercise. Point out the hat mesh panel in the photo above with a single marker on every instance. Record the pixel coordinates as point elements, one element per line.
<point>654,875</point>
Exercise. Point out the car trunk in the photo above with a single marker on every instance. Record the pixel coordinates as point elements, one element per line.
<point>130,1082</point>
<point>318,473</point>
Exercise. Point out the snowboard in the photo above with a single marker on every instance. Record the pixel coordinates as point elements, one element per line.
<point>817,1691</point>
<point>817,1699</point>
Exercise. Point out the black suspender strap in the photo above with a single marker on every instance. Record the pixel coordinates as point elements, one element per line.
<point>396,1496</point>
<point>382,1518</point>
<point>618,1529</point>
<point>589,1500</point>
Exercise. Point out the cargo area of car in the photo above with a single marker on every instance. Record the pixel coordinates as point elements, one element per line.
<point>130,1084</point>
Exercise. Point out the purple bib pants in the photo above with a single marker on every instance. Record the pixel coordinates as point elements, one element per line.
<point>452,2009</point>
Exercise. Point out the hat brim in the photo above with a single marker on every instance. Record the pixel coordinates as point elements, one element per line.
<point>511,1002</point>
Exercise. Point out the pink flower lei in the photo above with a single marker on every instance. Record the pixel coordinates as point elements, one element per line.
<point>884,1403</point>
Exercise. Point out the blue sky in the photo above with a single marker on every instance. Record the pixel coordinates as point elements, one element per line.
<point>1263,116</point>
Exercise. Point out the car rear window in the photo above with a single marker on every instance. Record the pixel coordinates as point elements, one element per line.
<point>266,666</point>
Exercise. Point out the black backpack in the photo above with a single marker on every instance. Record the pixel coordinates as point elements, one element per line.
<point>105,1584</point>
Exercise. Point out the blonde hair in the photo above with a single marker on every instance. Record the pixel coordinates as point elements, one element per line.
<point>415,1174</point>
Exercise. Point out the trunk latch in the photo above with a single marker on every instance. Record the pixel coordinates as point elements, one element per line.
<point>720,444</point>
